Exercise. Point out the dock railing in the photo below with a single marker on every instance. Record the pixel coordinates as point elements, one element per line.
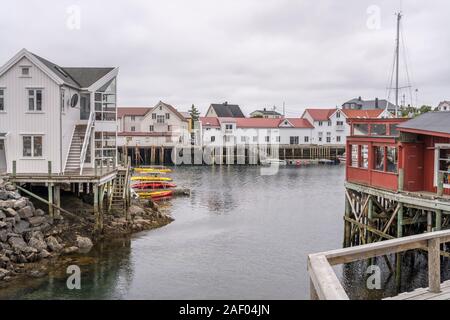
<point>325,284</point>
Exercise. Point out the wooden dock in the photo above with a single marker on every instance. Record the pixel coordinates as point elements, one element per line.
<point>325,284</point>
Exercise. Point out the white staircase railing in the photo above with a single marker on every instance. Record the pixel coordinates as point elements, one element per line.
<point>70,147</point>
<point>86,140</point>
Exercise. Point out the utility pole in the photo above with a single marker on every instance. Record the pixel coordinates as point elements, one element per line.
<point>284,113</point>
<point>397,62</point>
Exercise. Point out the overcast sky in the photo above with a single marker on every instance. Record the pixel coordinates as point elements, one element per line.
<point>256,53</point>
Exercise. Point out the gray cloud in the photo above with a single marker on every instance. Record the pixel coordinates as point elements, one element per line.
<point>254,52</point>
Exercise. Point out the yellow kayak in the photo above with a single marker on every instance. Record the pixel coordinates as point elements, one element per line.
<point>150,178</point>
<point>155,194</point>
<point>151,170</point>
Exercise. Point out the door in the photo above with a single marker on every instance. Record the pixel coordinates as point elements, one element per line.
<point>2,156</point>
<point>413,167</point>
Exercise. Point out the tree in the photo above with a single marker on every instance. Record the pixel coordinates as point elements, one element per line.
<point>195,114</point>
<point>425,109</point>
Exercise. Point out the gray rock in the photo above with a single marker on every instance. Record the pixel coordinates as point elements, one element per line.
<point>38,244</point>
<point>22,226</point>
<point>13,195</point>
<point>25,212</point>
<point>3,273</point>
<point>84,243</point>
<point>3,195</point>
<point>20,204</point>
<point>136,211</point>
<point>3,224</point>
<point>10,187</point>
<point>44,254</point>
<point>36,221</point>
<point>10,212</point>
<point>39,213</point>
<point>17,242</point>
<point>53,244</point>
<point>3,235</point>
<point>2,215</point>
<point>70,250</point>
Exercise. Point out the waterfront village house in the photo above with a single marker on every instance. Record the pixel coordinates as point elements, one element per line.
<point>264,113</point>
<point>330,125</point>
<point>444,106</point>
<point>360,104</point>
<point>253,131</point>
<point>161,125</point>
<point>401,154</point>
<point>224,110</point>
<point>49,113</point>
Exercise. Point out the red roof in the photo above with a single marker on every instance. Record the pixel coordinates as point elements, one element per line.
<point>145,134</point>
<point>365,114</point>
<point>210,121</point>
<point>320,114</point>
<point>256,122</point>
<point>132,111</point>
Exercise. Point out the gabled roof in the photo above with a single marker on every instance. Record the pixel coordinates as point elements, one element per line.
<point>319,114</point>
<point>227,110</point>
<point>257,123</point>
<point>79,78</point>
<point>352,114</point>
<point>186,114</point>
<point>132,111</point>
<point>210,121</point>
<point>268,112</point>
<point>372,104</point>
<point>171,108</point>
<point>428,123</point>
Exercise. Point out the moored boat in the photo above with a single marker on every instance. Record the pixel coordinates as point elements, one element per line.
<point>154,185</point>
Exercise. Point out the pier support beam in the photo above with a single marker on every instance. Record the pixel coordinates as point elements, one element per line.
<point>96,208</point>
<point>50,199</point>
<point>57,198</point>
<point>348,225</point>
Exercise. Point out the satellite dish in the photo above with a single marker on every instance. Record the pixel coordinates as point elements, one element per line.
<point>74,100</point>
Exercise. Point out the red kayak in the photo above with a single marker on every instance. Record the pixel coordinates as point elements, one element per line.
<point>153,185</point>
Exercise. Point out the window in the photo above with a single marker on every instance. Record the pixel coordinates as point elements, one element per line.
<point>207,129</point>
<point>339,123</point>
<point>379,158</point>
<point>293,140</point>
<point>354,154</point>
<point>306,139</point>
<point>278,139</point>
<point>159,119</point>
<point>133,118</point>
<point>364,163</point>
<point>153,116</point>
<point>133,128</point>
<point>320,123</point>
<point>267,139</point>
<point>243,139</point>
<point>2,100</point>
<point>152,128</point>
<point>255,138</point>
<point>167,116</point>
<point>378,130</point>
<point>328,139</point>
<point>329,123</point>
<point>338,114</point>
<point>32,146</point>
<point>391,159</point>
<point>228,127</point>
<point>25,71</point>
<point>169,127</point>
<point>34,100</point>
<point>320,136</point>
<point>338,138</point>
<point>360,129</point>
<point>63,100</point>
<point>213,138</point>
<point>443,163</point>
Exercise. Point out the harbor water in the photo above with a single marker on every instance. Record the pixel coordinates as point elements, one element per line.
<point>240,235</point>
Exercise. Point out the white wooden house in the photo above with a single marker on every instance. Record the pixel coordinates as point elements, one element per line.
<point>65,117</point>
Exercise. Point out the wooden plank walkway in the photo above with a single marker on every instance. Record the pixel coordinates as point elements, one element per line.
<point>425,294</point>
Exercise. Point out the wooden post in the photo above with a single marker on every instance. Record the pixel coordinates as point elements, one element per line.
<point>434,266</point>
<point>49,168</point>
<point>57,198</point>
<point>401,179</point>
<point>440,184</point>
<point>14,168</point>
<point>95,167</point>
<point>370,218</point>
<point>400,221</point>
<point>348,225</point>
<point>429,222</point>
<point>438,220</point>
<point>50,199</point>
<point>100,206</point>
<point>96,212</point>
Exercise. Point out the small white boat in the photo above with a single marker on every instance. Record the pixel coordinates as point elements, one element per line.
<point>269,162</point>
<point>342,158</point>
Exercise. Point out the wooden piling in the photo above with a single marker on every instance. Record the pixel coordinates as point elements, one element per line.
<point>50,199</point>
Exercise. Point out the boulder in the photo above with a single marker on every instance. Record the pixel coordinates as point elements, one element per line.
<point>136,211</point>
<point>22,226</point>
<point>39,213</point>
<point>36,221</point>
<point>84,243</point>
<point>13,195</point>
<point>2,215</point>
<point>17,242</point>
<point>25,212</point>
<point>3,195</point>
<point>3,224</point>
<point>10,187</point>
<point>53,244</point>
<point>9,212</point>
<point>3,273</point>
<point>19,204</point>
<point>44,254</point>
<point>38,244</point>
<point>70,250</point>
<point>3,235</point>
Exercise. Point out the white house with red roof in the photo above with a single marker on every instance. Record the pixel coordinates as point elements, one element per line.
<point>330,125</point>
<point>161,125</point>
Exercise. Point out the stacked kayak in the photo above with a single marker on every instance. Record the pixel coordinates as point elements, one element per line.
<point>154,185</point>
<point>156,194</point>
<point>150,184</point>
<point>150,178</point>
<point>153,170</point>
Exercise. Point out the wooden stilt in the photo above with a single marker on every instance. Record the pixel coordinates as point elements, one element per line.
<point>57,198</point>
<point>96,208</point>
<point>50,199</point>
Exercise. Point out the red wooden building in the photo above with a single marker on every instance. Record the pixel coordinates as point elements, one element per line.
<point>401,154</point>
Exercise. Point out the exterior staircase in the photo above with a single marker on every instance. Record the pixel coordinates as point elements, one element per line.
<point>120,190</point>
<point>73,159</point>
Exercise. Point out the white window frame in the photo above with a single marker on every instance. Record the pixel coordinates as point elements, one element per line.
<point>33,136</point>
<point>151,128</point>
<point>35,90</point>
<point>439,146</point>
<point>28,75</point>
<point>160,119</point>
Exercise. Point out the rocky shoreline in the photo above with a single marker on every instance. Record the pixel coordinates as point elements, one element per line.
<point>30,238</point>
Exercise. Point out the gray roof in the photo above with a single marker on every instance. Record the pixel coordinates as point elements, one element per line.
<point>371,104</point>
<point>268,112</point>
<point>227,110</point>
<point>82,77</point>
<point>430,121</point>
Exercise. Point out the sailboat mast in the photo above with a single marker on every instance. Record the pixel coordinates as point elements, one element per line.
<point>397,63</point>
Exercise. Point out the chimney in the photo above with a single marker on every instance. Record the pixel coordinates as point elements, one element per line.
<point>264,109</point>
<point>376,103</point>
<point>359,98</point>
<point>225,103</point>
